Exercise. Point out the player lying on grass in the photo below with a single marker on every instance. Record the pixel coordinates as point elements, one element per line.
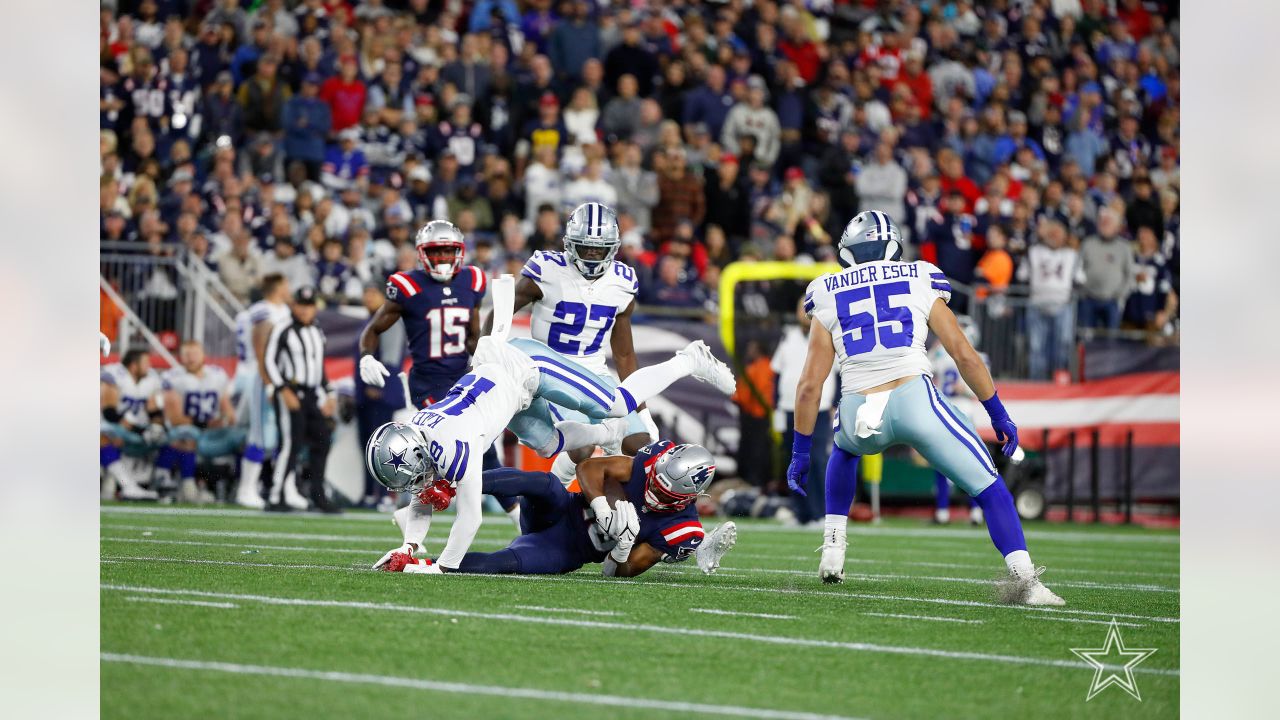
<point>444,441</point>
<point>631,514</point>
<point>873,316</point>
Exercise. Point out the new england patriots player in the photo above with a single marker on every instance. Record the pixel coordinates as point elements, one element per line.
<point>946,376</point>
<point>873,317</point>
<point>582,298</point>
<point>202,421</point>
<point>434,452</point>
<point>131,422</point>
<point>253,328</point>
<point>632,513</point>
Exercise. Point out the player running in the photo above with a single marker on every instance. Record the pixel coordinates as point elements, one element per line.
<point>562,531</point>
<point>131,423</point>
<point>582,299</point>
<point>253,328</point>
<point>874,316</point>
<point>442,441</point>
<point>946,376</point>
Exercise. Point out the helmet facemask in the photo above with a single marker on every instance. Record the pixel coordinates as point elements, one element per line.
<point>591,258</point>
<point>677,478</point>
<point>591,239</point>
<point>442,259</point>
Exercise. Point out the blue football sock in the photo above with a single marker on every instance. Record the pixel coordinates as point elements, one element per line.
<point>253,453</point>
<point>842,481</point>
<point>941,491</point>
<point>187,464</point>
<point>166,458</point>
<point>1002,518</point>
<point>108,455</point>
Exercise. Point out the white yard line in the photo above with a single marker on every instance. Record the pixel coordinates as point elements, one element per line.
<point>636,627</point>
<point>955,565</point>
<point>766,616</point>
<point>924,617</point>
<point>576,611</point>
<point>619,701</point>
<point>711,585</point>
<point>175,601</point>
<point>391,536</point>
<point>297,548</point>
<point>877,577</point>
<point>1094,622</point>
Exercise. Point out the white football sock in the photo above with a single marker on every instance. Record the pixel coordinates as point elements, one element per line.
<point>581,435</point>
<point>1019,564</point>
<point>250,474</point>
<point>838,523</point>
<point>564,468</point>
<point>647,382</point>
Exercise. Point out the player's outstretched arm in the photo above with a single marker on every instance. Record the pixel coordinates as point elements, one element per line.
<point>817,366</point>
<point>601,480</point>
<point>642,557</point>
<point>527,292</point>
<point>974,371</point>
<point>372,371</point>
<point>470,509</point>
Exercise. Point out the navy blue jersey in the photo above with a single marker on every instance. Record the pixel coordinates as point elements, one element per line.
<point>436,317</point>
<point>675,534</point>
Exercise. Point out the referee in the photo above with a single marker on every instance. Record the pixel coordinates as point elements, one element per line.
<point>304,406</point>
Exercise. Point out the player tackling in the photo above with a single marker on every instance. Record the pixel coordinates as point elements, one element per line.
<point>873,317</point>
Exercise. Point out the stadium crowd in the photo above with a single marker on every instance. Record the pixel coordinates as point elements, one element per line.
<point>1028,148</point>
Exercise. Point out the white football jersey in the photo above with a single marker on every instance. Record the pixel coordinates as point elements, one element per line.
<point>134,394</point>
<point>946,376</point>
<point>246,320</point>
<point>878,316</point>
<point>575,315</point>
<point>201,395</point>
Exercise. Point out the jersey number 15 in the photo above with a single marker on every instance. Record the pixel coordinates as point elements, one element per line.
<point>448,330</point>
<point>869,326</point>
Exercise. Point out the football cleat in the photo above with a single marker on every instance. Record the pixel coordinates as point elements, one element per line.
<point>708,368</point>
<point>247,496</point>
<point>718,542</point>
<point>1028,590</point>
<point>292,497</point>
<point>831,566</point>
<point>423,567</point>
<point>975,515</point>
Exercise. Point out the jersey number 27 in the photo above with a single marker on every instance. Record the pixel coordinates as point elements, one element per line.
<point>575,315</point>
<point>869,326</point>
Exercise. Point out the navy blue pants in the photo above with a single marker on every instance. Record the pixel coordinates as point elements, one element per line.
<point>552,529</point>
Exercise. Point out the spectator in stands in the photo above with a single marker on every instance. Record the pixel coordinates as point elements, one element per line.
<point>753,117</point>
<point>240,266</point>
<point>672,287</point>
<point>1106,261</point>
<point>285,259</point>
<point>621,115</point>
<point>1153,301</point>
<point>1144,208</point>
<point>882,183</point>
<point>679,196</point>
<point>345,93</point>
<point>334,281</point>
<point>727,199</point>
<point>754,398</point>
<point>710,103</point>
<point>631,56</point>
<point>344,163</point>
<point>263,97</point>
<point>635,187</point>
<point>1052,269</point>
<point>307,122</point>
<point>574,40</point>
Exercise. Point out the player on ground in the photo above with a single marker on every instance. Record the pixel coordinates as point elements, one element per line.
<point>131,422</point>
<point>202,420</point>
<point>253,328</point>
<point>438,447</point>
<point>582,299</point>
<point>874,316</point>
<point>562,531</point>
<point>946,376</point>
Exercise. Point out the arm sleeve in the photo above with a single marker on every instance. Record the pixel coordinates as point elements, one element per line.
<point>468,504</point>
<point>418,522</point>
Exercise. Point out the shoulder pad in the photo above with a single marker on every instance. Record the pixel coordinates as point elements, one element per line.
<point>626,276</point>
<point>401,286</point>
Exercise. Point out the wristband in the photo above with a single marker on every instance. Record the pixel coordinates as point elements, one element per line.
<point>995,408</point>
<point>801,443</point>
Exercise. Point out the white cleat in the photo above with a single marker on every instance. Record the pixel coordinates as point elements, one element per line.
<point>248,497</point>
<point>718,542</point>
<point>108,487</point>
<point>1028,591</point>
<point>831,566</point>
<point>708,368</point>
<point>188,491</point>
<point>292,497</point>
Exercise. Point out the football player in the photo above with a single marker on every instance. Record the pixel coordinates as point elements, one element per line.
<point>131,422</point>
<point>437,448</point>
<point>562,531</point>
<point>202,421</point>
<point>873,317</point>
<point>946,376</point>
<point>582,299</point>
<point>253,328</point>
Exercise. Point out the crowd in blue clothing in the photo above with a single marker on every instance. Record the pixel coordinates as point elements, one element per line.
<point>325,131</point>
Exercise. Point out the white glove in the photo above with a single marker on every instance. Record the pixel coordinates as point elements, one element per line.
<point>650,426</point>
<point>407,548</point>
<point>432,569</point>
<point>604,516</point>
<point>104,345</point>
<point>628,521</point>
<point>373,372</point>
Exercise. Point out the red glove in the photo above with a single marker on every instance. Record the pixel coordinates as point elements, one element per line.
<point>399,561</point>
<point>438,495</point>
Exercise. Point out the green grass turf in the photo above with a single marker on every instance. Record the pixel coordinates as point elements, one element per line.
<point>335,615</point>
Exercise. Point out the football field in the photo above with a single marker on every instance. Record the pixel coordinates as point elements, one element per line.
<point>227,613</point>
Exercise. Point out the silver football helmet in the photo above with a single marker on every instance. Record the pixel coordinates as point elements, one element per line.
<point>440,248</point>
<point>395,456</point>
<point>678,477</point>
<point>870,235</point>
<point>591,238</point>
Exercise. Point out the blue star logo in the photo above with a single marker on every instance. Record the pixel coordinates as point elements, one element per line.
<point>397,460</point>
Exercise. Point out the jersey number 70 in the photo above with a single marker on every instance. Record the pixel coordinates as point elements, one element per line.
<point>870,326</point>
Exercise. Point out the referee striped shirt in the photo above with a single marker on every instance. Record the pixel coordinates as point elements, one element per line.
<point>295,356</point>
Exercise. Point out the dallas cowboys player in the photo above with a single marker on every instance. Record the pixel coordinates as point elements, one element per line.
<point>632,513</point>
<point>131,422</point>
<point>946,376</point>
<point>253,328</point>
<point>202,421</point>
<point>873,316</point>
<point>583,298</point>
<point>434,452</point>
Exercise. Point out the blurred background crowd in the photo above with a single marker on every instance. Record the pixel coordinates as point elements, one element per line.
<point>1028,148</point>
